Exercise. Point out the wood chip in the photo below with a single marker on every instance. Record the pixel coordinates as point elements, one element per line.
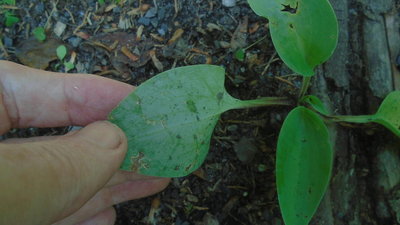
<point>145,7</point>
<point>200,173</point>
<point>213,26</point>
<point>139,33</point>
<point>110,7</point>
<point>254,27</point>
<point>178,33</point>
<point>129,54</point>
<point>157,37</point>
<point>82,35</point>
<point>155,60</point>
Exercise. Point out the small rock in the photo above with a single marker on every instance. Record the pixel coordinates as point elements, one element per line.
<point>151,13</point>
<point>229,3</point>
<point>162,30</point>
<point>154,22</point>
<point>8,42</point>
<point>245,149</point>
<point>208,219</point>
<point>59,28</point>
<point>39,8</point>
<point>116,9</point>
<point>144,21</point>
<point>74,41</point>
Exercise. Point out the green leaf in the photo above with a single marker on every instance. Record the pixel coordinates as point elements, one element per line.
<point>39,33</point>
<point>169,119</point>
<point>68,66</point>
<point>388,114</point>
<point>239,54</point>
<point>303,165</point>
<point>9,2</point>
<point>315,103</point>
<point>11,19</point>
<point>304,32</point>
<point>101,2</point>
<point>61,52</point>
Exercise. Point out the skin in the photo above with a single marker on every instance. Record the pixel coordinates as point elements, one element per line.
<point>70,179</point>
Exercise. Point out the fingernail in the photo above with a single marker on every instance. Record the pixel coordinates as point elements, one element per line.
<point>103,134</point>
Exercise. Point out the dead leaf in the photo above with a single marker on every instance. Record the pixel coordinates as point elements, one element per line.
<point>115,42</point>
<point>239,37</point>
<point>38,54</point>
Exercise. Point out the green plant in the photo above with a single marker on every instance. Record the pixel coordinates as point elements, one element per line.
<point>61,53</point>
<point>9,17</point>
<point>39,33</point>
<point>170,118</point>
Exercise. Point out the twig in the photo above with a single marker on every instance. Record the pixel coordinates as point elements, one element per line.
<point>176,8</point>
<point>271,59</point>
<point>71,15</point>
<point>51,14</point>
<point>83,22</point>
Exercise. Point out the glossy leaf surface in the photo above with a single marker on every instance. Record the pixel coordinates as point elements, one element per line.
<point>169,119</point>
<point>303,165</point>
<point>304,32</point>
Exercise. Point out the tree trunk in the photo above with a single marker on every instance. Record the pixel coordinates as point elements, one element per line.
<point>364,188</point>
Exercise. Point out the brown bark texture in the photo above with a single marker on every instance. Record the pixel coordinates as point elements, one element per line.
<point>365,185</point>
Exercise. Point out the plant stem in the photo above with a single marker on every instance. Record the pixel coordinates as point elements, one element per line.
<point>258,41</point>
<point>352,119</point>
<point>265,101</point>
<point>304,86</point>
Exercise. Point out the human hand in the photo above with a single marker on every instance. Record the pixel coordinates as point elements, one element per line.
<point>70,179</point>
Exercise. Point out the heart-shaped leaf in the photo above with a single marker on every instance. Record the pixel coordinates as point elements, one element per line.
<point>169,119</point>
<point>304,32</point>
<point>303,165</point>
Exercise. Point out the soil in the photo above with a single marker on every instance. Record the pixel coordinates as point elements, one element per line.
<point>236,184</point>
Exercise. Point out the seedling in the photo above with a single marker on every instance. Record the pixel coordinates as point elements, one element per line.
<point>240,53</point>
<point>61,53</point>
<point>9,17</point>
<point>39,34</point>
<point>169,119</point>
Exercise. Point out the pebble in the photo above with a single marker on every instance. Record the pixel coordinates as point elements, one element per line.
<point>151,13</point>
<point>8,42</point>
<point>229,3</point>
<point>163,29</point>
<point>144,21</point>
<point>39,8</point>
<point>74,41</point>
<point>117,9</point>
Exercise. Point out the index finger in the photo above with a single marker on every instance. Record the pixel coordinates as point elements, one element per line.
<point>36,98</point>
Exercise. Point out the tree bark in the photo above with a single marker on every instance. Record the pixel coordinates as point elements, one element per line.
<point>364,187</point>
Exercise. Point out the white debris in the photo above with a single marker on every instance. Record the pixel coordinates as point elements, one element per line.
<point>59,28</point>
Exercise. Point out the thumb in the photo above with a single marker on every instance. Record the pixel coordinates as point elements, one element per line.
<point>50,179</point>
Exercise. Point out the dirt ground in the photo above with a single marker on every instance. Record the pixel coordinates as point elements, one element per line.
<point>236,184</point>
